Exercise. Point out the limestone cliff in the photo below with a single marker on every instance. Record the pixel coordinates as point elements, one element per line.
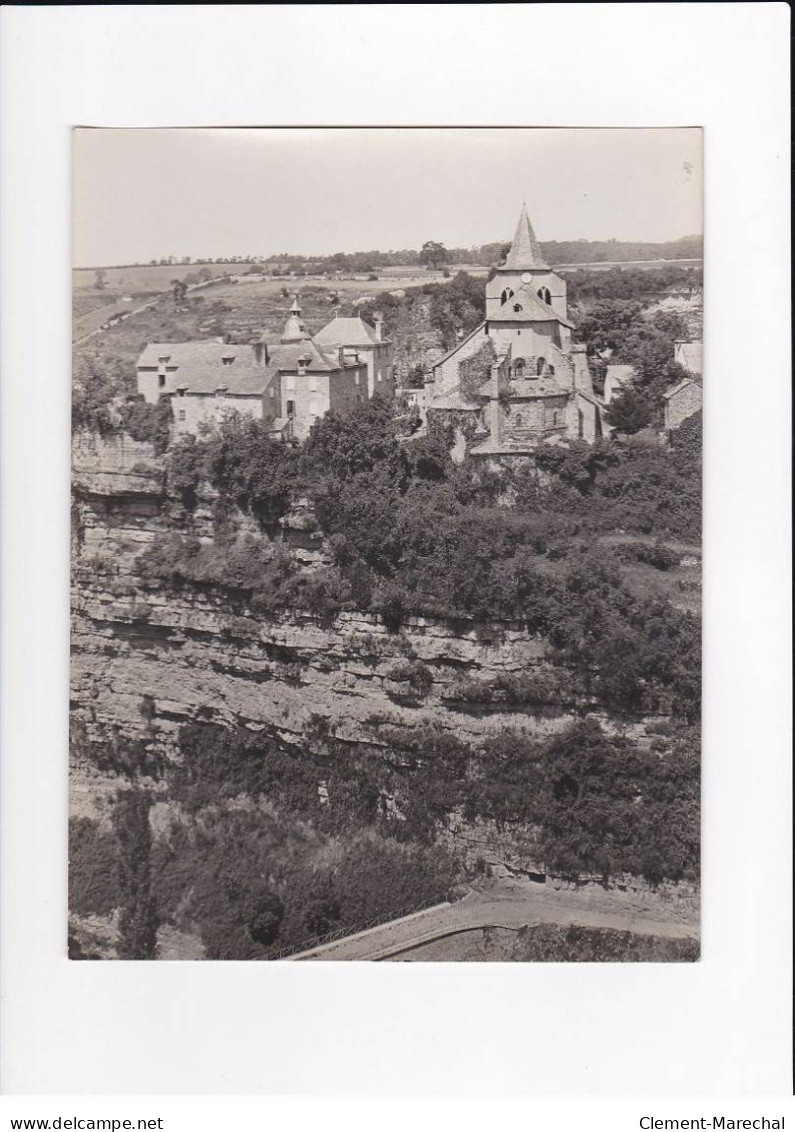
<point>147,659</point>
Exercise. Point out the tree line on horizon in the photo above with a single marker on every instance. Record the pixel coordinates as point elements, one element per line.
<point>434,254</point>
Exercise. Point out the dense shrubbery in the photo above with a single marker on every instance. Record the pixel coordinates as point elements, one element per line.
<point>601,806</point>
<point>263,857</point>
<point>144,421</point>
<point>630,283</point>
<point>616,323</point>
<point>555,943</point>
<point>94,888</point>
<point>598,804</point>
<point>409,533</point>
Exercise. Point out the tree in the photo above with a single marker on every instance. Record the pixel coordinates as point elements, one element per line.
<point>99,279</point>
<point>433,254</point>
<point>92,395</point>
<point>180,289</point>
<point>630,411</point>
<point>138,922</point>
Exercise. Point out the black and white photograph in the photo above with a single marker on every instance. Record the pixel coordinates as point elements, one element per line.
<point>386,545</point>
<point>395,649</point>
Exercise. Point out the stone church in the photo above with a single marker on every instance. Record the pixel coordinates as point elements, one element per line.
<point>537,385</point>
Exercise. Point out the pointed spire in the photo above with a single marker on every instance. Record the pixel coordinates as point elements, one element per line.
<point>296,307</point>
<point>525,249</point>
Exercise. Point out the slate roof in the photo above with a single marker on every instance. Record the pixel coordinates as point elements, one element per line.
<point>525,249</point>
<point>683,384</point>
<point>691,356</point>
<point>455,399</point>
<point>533,309</point>
<point>454,349</point>
<point>347,332</point>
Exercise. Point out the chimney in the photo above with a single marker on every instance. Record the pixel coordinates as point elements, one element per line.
<point>378,319</point>
<point>261,353</point>
<point>342,357</point>
<point>302,365</point>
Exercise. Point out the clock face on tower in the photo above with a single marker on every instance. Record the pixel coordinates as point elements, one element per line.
<point>526,277</point>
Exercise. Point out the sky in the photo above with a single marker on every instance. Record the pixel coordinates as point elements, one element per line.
<point>145,194</point>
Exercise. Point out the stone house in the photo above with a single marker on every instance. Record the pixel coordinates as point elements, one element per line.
<point>686,397</point>
<point>354,334</point>
<point>291,383</point>
<point>539,387</point>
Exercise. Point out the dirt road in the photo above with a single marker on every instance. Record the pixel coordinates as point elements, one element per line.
<point>512,905</point>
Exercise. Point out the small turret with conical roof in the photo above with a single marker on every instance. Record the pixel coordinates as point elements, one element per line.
<point>294,328</point>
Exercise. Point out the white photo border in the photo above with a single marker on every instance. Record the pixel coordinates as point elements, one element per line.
<point>719,1026</point>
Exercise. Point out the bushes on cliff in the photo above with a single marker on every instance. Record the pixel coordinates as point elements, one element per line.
<point>240,459</point>
<point>144,421</point>
<point>259,861</point>
<point>600,805</point>
<point>635,485</point>
<point>139,920</point>
<point>558,943</point>
<point>247,466</point>
<point>342,446</point>
<point>93,869</point>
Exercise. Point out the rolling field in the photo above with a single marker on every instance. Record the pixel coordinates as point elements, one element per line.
<point>146,279</point>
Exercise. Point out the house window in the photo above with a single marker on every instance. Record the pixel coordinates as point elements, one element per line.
<point>517,307</point>
<point>555,419</point>
<point>161,380</point>
<point>291,408</point>
<point>227,361</point>
<point>580,424</point>
<point>357,378</point>
<point>220,393</point>
<point>182,414</point>
<point>380,377</point>
<point>518,368</point>
<point>540,366</point>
